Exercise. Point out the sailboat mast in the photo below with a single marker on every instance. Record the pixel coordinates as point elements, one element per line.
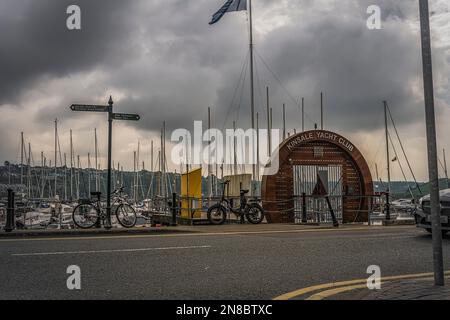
<point>135,177</point>
<point>71,165</point>
<point>56,155</point>
<point>284,121</point>
<point>269,138</point>
<point>303,114</point>
<point>78,176</point>
<point>321,110</point>
<point>65,177</point>
<point>445,168</point>
<point>89,174</point>
<point>209,159</point>
<point>21,158</point>
<point>252,85</point>
<point>29,170</point>
<point>388,160</point>
<point>151,157</point>
<point>97,185</point>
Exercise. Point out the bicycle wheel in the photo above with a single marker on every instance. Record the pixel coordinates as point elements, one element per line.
<point>126,215</point>
<point>217,215</point>
<point>254,213</point>
<point>85,216</point>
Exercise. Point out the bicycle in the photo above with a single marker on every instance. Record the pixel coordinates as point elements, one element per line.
<point>88,214</point>
<point>251,210</point>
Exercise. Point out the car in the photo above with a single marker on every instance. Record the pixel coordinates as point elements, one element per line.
<point>422,214</point>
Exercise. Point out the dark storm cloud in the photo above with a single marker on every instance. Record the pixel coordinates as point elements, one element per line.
<point>355,67</point>
<point>35,41</point>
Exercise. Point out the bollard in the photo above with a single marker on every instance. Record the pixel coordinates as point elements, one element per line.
<point>304,217</point>
<point>10,214</point>
<point>174,209</point>
<point>388,207</point>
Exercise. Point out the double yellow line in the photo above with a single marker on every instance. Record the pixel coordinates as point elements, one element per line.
<point>327,290</point>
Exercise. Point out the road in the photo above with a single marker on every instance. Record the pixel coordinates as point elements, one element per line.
<point>207,266</point>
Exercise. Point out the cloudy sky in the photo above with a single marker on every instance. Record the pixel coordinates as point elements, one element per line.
<point>161,59</point>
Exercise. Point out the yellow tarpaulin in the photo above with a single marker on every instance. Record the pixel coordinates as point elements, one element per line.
<point>191,194</point>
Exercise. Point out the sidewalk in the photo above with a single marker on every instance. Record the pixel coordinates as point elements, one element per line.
<point>417,289</point>
<point>231,228</point>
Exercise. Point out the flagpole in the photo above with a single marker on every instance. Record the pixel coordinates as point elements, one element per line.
<point>252,86</point>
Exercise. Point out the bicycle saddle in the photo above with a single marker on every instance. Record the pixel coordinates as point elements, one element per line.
<point>96,194</point>
<point>245,191</point>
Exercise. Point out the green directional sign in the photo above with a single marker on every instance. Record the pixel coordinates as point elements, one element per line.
<point>89,108</point>
<point>126,117</point>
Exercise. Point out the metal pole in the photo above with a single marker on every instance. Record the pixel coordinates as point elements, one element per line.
<point>252,86</point>
<point>438,259</point>
<point>108,183</point>
<point>388,162</point>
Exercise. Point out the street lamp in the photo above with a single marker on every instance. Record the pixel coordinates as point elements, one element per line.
<point>438,260</point>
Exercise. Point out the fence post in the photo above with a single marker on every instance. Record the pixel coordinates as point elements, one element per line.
<point>304,217</point>
<point>174,209</point>
<point>10,212</point>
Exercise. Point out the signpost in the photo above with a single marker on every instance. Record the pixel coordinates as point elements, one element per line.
<point>89,108</point>
<point>111,116</point>
<point>126,117</point>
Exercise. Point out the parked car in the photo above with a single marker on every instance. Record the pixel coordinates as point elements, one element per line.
<point>423,212</point>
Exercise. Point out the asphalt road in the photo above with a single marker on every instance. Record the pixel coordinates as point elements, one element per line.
<point>199,266</point>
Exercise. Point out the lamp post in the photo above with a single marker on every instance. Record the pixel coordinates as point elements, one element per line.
<point>438,260</point>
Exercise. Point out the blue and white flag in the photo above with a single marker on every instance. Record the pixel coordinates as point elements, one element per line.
<point>229,6</point>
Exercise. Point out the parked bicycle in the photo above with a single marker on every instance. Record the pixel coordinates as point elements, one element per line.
<point>89,213</point>
<point>251,210</point>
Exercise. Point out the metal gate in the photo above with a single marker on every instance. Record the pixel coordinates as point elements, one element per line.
<point>307,179</point>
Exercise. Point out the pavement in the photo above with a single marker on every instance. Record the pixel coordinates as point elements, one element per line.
<point>418,289</point>
<point>210,262</point>
<point>163,230</point>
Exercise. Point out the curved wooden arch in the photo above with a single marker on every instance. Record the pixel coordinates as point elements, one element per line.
<point>276,188</point>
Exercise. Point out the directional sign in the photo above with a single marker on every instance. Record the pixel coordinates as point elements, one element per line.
<point>126,117</point>
<point>89,108</point>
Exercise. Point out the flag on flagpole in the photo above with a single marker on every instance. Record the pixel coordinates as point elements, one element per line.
<point>229,6</point>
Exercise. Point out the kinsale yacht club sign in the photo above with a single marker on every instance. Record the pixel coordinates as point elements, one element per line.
<point>323,136</point>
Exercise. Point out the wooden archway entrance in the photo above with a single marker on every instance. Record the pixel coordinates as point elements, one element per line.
<point>312,164</point>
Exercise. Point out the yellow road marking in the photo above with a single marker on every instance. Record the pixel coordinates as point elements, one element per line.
<point>195,234</point>
<point>355,284</point>
<point>328,293</point>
